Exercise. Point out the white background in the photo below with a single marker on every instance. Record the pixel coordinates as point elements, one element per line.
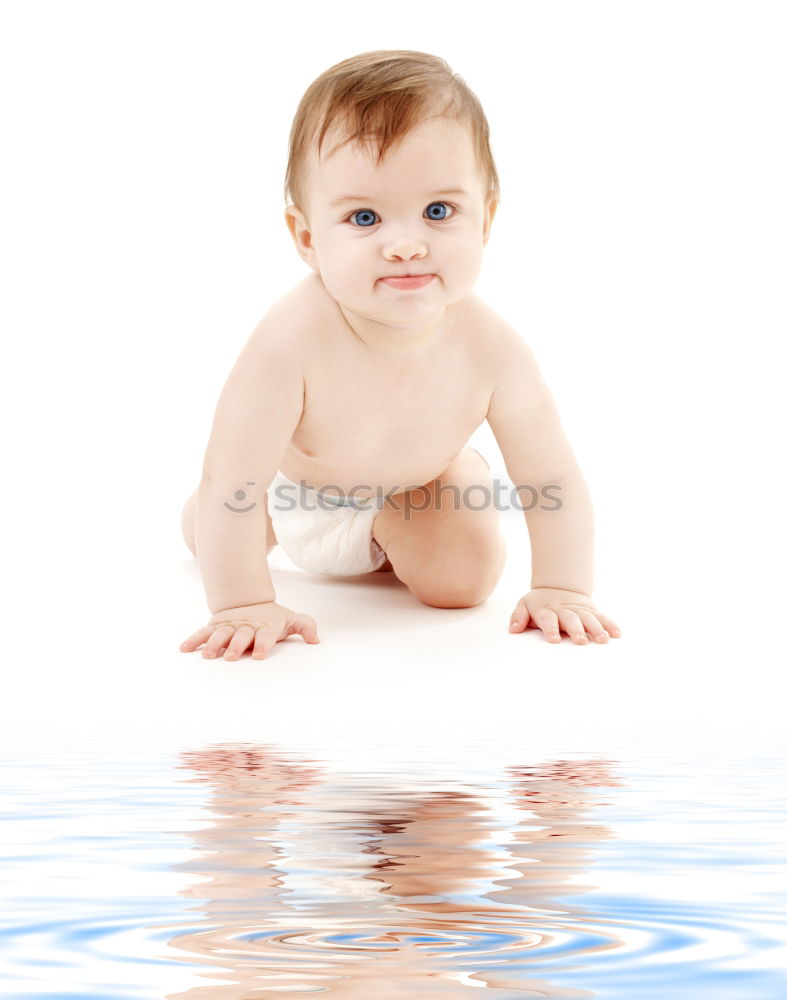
<point>639,247</point>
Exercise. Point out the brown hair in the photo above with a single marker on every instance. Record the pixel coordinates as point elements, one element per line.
<point>379,97</point>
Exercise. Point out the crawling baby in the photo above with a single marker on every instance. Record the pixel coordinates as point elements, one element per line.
<point>341,433</point>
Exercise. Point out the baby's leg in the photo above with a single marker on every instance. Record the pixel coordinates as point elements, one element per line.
<point>448,550</point>
<point>189,515</point>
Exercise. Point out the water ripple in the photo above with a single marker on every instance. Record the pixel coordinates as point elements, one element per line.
<point>244,871</point>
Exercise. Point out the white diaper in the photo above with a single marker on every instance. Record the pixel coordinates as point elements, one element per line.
<point>322,533</point>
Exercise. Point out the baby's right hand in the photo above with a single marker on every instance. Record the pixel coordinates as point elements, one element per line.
<point>260,626</point>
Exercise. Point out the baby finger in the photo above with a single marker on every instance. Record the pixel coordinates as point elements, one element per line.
<point>218,640</point>
<point>264,642</point>
<point>547,621</point>
<point>593,626</point>
<point>244,635</point>
<point>572,625</point>
<point>196,639</point>
<point>609,625</point>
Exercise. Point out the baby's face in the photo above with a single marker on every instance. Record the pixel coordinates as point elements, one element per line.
<point>424,211</point>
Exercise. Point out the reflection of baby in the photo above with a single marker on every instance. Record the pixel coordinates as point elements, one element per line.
<point>341,433</point>
<point>287,857</point>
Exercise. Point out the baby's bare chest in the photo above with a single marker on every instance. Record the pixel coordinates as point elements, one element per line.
<point>385,424</point>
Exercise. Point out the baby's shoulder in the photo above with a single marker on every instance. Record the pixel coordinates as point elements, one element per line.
<point>290,322</point>
<point>490,335</point>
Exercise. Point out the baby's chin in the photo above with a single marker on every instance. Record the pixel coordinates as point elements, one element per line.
<point>409,300</point>
<point>381,303</point>
<point>394,311</point>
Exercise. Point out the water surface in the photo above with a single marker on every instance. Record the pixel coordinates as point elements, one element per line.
<point>252,870</point>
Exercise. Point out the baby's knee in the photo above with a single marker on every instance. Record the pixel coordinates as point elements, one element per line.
<point>454,593</point>
<point>464,580</point>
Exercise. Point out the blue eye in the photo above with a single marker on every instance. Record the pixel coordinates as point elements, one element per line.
<point>436,210</point>
<point>433,211</point>
<point>367,217</point>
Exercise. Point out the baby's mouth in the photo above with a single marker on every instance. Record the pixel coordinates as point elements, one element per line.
<point>408,281</point>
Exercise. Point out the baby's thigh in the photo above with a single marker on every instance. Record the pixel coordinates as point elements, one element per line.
<point>443,539</point>
<point>187,519</point>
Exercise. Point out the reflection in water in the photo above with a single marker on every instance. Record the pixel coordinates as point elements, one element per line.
<point>379,889</point>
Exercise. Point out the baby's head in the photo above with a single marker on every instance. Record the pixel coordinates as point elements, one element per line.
<point>390,173</point>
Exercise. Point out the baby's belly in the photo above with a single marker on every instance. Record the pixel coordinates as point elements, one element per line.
<point>364,476</point>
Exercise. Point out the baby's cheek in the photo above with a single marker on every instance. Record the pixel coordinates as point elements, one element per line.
<point>468,268</point>
<point>340,282</point>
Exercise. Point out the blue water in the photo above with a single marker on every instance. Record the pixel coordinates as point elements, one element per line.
<point>255,870</point>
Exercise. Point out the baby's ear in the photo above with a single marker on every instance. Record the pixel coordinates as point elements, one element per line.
<point>298,225</point>
<point>489,214</point>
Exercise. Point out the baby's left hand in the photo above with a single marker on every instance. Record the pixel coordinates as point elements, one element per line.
<point>551,610</point>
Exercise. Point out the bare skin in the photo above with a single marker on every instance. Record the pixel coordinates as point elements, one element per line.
<point>352,384</point>
<point>377,430</point>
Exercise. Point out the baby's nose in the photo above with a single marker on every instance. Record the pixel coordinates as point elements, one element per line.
<point>404,249</point>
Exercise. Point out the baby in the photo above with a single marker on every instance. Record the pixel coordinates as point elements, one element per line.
<point>341,433</point>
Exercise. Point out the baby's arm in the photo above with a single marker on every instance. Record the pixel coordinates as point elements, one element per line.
<point>537,454</point>
<point>257,413</point>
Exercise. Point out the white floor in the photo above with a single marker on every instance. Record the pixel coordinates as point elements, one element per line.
<point>389,671</point>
